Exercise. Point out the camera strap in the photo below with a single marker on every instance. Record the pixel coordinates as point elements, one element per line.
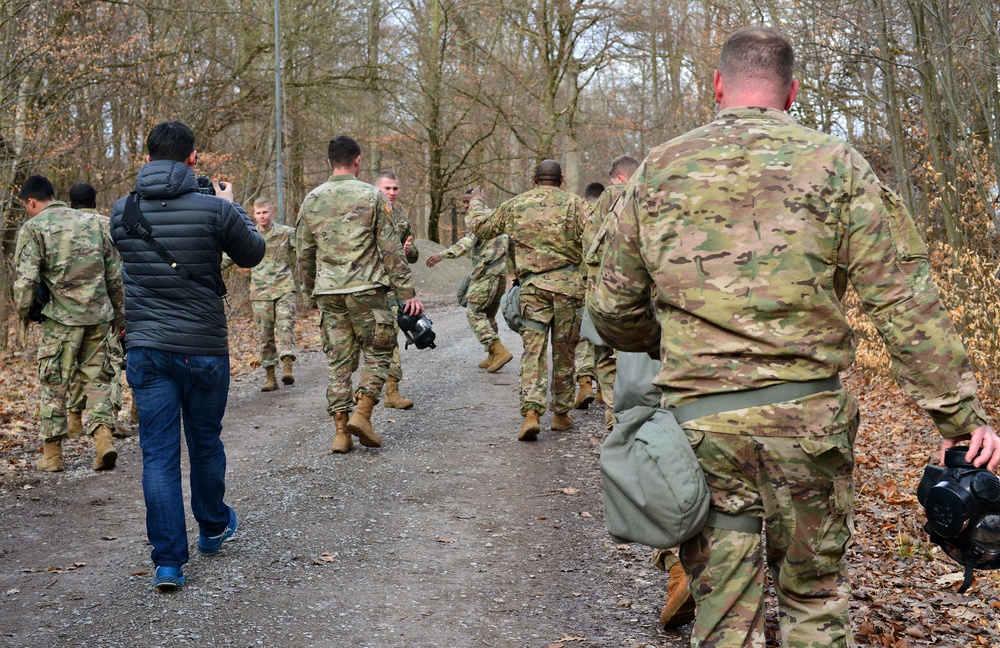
<point>136,225</point>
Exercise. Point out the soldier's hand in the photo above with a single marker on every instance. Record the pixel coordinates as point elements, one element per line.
<point>223,189</point>
<point>477,191</point>
<point>984,447</point>
<point>433,260</point>
<point>408,245</point>
<point>413,306</point>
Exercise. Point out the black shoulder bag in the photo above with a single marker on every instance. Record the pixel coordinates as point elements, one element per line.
<point>136,225</point>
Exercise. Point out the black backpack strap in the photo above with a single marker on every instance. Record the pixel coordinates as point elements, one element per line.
<point>137,226</point>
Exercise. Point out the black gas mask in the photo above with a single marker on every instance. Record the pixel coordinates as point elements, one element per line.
<point>963,512</point>
<point>417,329</point>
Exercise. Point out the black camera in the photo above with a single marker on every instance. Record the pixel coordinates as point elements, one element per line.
<point>416,329</point>
<point>962,503</point>
<point>205,185</point>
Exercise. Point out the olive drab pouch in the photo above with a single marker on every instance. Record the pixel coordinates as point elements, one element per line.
<point>587,330</point>
<point>653,486</point>
<point>510,307</point>
<point>462,292</point>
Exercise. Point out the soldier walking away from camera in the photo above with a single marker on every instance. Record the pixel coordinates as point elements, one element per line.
<point>622,169</point>
<point>83,197</point>
<point>350,260</point>
<point>584,362</point>
<point>273,296</point>
<point>486,285</point>
<point>171,237</point>
<point>70,254</point>
<point>388,183</point>
<point>728,257</point>
<point>546,225</point>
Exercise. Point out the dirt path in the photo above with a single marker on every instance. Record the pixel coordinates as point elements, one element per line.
<point>453,534</point>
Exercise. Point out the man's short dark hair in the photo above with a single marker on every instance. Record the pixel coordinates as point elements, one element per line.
<point>37,187</point>
<point>624,165</point>
<point>388,175</point>
<point>82,194</point>
<point>593,191</point>
<point>171,140</point>
<point>548,171</point>
<point>342,151</point>
<point>758,53</point>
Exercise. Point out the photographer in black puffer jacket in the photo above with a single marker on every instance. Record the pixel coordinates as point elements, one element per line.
<point>171,238</point>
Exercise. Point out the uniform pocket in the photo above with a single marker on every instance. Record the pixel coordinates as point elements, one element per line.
<point>50,363</point>
<point>836,528</point>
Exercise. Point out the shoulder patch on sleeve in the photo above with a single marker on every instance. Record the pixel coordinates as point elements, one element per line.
<point>387,208</point>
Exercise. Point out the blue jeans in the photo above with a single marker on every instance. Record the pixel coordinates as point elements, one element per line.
<point>167,387</point>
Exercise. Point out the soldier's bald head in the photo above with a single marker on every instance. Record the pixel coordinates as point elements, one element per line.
<point>548,172</point>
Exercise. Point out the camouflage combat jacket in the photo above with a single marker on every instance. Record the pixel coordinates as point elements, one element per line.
<point>273,276</point>
<point>545,226</point>
<point>348,241</point>
<point>747,231</point>
<point>73,254</point>
<point>489,256</point>
<point>594,235</point>
<point>405,232</point>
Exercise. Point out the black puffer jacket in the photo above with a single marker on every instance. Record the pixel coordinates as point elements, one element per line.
<point>162,309</point>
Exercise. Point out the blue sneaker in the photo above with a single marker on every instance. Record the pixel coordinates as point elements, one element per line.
<point>212,544</point>
<point>168,579</point>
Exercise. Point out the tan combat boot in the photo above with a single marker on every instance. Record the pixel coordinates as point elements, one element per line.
<point>489,358</point>
<point>680,607</point>
<point>609,419</point>
<point>530,428</point>
<point>342,439</point>
<point>360,423</point>
<point>74,425</point>
<point>562,422</point>
<point>586,394</point>
<point>133,413</point>
<point>106,453</point>
<point>286,370</point>
<point>51,460</point>
<point>501,356</point>
<point>272,381</point>
<point>393,398</point>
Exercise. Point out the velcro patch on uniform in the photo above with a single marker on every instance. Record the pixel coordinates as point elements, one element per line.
<point>387,208</point>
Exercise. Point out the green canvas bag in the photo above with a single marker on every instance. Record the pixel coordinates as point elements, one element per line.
<point>462,292</point>
<point>510,307</point>
<point>653,486</point>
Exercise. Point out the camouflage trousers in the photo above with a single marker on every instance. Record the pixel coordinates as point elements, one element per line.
<point>76,400</point>
<point>559,313</point>
<point>396,365</point>
<point>349,323</point>
<point>598,363</point>
<point>583,359</point>
<point>484,302</point>
<point>803,487</point>
<point>67,353</point>
<point>275,318</point>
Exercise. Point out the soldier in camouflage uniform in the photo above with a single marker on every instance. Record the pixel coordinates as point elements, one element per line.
<point>72,254</point>
<point>728,257</point>
<point>388,183</point>
<point>83,197</point>
<point>350,259</point>
<point>273,295</point>
<point>486,286</point>
<point>621,171</point>
<point>546,226</point>
<point>583,356</point>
